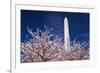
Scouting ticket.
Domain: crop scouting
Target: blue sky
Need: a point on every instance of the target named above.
(78, 23)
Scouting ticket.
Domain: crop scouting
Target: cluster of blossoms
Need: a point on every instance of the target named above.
(44, 47)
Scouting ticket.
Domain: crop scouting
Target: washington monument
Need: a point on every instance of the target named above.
(66, 35)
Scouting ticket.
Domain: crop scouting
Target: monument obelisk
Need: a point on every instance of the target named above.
(66, 35)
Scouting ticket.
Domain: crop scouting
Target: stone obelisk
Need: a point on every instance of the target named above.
(66, 35)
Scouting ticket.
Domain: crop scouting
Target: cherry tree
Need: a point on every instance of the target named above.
(43, 47)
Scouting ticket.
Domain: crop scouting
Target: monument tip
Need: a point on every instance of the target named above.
(66, 19)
